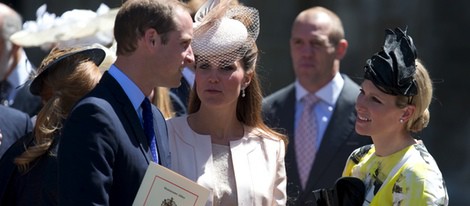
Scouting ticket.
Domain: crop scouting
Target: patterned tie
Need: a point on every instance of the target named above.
(305, 139)
(147, 117)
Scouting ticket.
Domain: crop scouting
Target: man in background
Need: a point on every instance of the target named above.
(321, 133)
(13, 125)
(15, 69)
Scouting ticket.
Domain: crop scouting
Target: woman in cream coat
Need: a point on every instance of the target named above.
(223, 144)
(257, 164)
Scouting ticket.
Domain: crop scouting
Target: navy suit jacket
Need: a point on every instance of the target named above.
(26, 102)
(339, 140)
(103, 152)
(13, 125)
(38, 186)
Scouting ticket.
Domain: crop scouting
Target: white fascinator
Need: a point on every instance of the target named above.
(223, 32)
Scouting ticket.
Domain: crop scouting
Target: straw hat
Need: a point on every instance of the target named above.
(94, 53)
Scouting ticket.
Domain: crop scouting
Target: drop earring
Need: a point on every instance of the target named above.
(243, 93)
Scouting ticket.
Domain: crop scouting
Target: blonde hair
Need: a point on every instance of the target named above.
(69, 79)
(161, 99)
(420, 118)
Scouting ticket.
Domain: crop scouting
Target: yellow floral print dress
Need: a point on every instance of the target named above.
(416, 180)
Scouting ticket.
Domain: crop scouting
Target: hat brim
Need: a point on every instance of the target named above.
(72, 30)
(95, 55)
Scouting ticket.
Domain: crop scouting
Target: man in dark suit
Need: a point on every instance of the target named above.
(13, 125)
(180, 95)
(317, 45)
(15, 68)
(104, 150)
(27, 102)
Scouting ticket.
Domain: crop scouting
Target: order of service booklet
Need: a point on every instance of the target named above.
(163, 187)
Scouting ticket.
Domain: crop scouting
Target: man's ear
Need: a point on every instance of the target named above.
(15, 55)
(15, 48)
(151, 37)
(341, 48)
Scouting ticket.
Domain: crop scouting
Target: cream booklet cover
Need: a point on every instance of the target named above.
(163, 187)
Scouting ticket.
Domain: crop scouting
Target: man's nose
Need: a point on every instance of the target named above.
(189, 58)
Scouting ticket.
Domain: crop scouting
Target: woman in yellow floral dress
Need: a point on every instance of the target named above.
(393, 106)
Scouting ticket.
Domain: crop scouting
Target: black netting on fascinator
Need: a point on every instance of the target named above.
(392, 69)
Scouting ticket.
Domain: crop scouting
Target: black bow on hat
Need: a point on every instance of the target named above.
(392, 69)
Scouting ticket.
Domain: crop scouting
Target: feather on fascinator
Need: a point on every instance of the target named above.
(223, 31)
(393, 68)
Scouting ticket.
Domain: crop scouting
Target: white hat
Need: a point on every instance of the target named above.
(224, 37)
(224, 32)
(74, 28)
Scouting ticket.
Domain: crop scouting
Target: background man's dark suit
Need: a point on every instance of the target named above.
(103, 143)
(179, 97)
(27, 102)
(339, 140)
(13, 125)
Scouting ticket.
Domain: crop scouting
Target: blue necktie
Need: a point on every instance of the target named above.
(147, 117)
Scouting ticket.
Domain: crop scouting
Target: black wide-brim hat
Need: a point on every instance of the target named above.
(94, 54)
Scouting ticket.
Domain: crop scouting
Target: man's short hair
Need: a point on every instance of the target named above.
(136, 16)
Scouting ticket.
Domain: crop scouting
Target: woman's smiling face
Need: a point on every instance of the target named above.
(377, 112)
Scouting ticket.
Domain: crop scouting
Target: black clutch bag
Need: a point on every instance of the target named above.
(348, 191)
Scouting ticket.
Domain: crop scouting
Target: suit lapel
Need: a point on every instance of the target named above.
(125, 110)
(137, 132)
(161, 135)
(336, 134)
